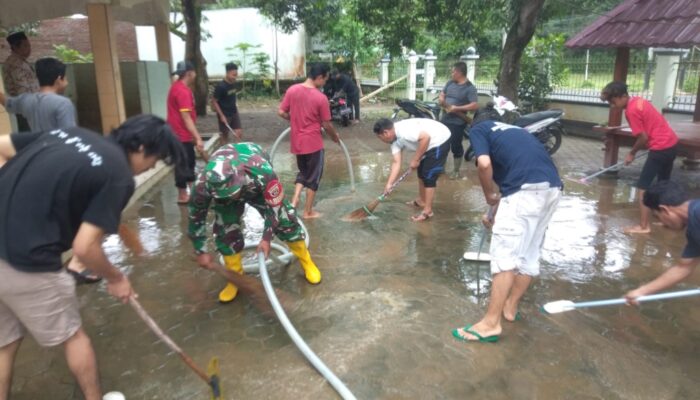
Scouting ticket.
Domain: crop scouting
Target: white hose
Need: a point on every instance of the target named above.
(337, 384)
(285, 132)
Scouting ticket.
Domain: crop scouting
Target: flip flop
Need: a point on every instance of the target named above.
(84, 277)
(518, 317)
(422, 217)
(482, 339)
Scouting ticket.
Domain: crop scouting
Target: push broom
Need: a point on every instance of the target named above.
(211, 377)
(560, 306)
(366, 211)
(614, 167)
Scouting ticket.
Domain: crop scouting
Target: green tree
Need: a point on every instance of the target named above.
(71, 56)
(191, 18)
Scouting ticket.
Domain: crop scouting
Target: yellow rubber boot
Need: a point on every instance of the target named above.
(313, 275)
(233, 263)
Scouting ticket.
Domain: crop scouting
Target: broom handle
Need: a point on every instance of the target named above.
(618, 165)
(395, 184)
(166, 339)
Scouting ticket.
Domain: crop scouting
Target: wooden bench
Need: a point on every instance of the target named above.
(688, 134)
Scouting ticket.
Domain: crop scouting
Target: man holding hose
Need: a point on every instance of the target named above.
(72, 206)
(236, 175)
(527, 194)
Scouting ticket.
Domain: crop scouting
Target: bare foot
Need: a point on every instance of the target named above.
(637, 229)
(312, 215)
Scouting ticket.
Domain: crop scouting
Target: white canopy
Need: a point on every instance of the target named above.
(138, 12)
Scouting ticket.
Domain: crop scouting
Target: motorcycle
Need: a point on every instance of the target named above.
(545, 125)
(340, 110)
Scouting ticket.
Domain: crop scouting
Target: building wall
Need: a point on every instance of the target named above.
(75, 34)
(228, 28)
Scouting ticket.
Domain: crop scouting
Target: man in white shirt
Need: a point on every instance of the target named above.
(431, 142)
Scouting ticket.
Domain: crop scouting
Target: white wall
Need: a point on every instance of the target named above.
(228, 28)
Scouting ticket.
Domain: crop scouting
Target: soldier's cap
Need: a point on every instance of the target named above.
(220, 179)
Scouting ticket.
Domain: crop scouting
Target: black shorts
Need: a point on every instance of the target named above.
(310, 169)
(234, 121)
(659, 165)
(433, 164)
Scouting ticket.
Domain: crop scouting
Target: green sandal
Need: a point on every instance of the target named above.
(482, 339)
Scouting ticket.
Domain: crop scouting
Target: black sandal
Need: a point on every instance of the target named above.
(84, 277)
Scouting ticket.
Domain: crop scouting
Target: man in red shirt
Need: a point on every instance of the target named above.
(182, 118)
(652, 131)
(308, 111)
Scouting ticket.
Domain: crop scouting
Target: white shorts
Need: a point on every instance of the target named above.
(519, 228)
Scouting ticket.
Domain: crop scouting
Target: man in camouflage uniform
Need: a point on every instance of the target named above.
(237, 174)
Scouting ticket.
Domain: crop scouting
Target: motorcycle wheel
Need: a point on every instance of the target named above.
(552, 138)
(345, 121)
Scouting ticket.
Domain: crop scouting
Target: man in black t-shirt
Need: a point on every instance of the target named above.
(345, 83)
(224, 103)
(64, 189)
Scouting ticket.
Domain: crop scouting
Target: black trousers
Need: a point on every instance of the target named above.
(182, 179)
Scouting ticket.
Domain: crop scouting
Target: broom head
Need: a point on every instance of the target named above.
(362, 212)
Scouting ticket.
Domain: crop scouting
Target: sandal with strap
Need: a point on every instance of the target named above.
(479, 338)
(422, 217)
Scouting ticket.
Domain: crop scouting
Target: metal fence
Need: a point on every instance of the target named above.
(581, 81)
(686, 87)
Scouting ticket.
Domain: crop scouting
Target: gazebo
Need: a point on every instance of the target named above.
(669, 24)
(101, 15)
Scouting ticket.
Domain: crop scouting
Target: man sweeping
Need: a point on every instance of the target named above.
(430, 140)
(671, 205)
(236, 175)
(64, 189)
(527, 194)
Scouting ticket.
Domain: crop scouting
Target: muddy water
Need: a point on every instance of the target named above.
(391, 293)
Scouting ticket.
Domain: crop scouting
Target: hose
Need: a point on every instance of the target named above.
(285, 132)
(337, 384)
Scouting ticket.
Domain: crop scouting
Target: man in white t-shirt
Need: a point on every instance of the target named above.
(431, 142)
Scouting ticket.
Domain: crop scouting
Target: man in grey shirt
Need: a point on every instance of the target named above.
(457, 98)
(46, 110)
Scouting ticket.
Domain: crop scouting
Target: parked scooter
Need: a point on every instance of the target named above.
(340, 111)
(545, 125)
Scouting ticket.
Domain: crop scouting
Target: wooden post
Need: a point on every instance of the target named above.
(107, 73)
(622, 61)
(163, 44)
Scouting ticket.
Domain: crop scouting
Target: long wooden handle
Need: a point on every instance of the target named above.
(166, 339)
(395, 184)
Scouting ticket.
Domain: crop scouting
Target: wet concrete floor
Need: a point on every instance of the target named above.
(392, 290)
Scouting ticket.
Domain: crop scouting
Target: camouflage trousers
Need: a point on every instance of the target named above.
(228, 235)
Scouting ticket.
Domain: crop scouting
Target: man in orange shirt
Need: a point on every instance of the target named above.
(652, 131)
(182, 118)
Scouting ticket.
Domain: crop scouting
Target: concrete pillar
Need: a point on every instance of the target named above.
(384, 78)
(470, 59)
(163, 44)
(107, 74)
(665, 76)
(429, 73)
(411, 88)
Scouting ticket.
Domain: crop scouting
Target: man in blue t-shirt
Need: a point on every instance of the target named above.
(527, 194)
(670, 204)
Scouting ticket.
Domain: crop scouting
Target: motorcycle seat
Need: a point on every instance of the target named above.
(528, 119)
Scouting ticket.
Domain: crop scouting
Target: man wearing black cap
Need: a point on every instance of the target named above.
(18, 73)
(182, 118)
